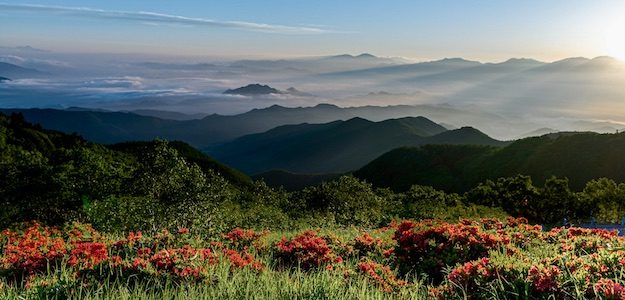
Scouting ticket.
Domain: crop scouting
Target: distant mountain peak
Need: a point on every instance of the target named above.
(357, 120)
(326, 105)
(362, 55)
(18, 72)
(569, 60)
(538, 132)
(262, 89)
(379, 93)
(295, 92)
(366, 55)
(522, 60)
(455, 59)
(253, 89)
(604, 58)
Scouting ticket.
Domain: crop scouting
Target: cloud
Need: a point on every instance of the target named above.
(31, 62)
(23, 48)
(129, 82)
(153, 17)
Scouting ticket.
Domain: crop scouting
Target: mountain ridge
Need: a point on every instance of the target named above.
(335, 147)
(579, 156)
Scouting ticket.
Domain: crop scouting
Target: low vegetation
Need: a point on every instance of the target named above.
(160, 220)
(483, 259)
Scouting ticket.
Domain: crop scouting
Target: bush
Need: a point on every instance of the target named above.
(349, 200)
(306, 250)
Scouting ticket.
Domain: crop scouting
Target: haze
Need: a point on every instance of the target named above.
(511, 68)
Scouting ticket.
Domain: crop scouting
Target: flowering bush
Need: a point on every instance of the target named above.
(32, 250)
(462, 275)
(473, 259)
(548, 268)
(544, 279)
(242, 260)
(609, 289)
(308, 250)
(242, 238)
(381, 275)
(87, 255)
(428, 247)
(365, 244)
(37, 249)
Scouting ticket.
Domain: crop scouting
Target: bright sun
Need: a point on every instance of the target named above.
(615, 41)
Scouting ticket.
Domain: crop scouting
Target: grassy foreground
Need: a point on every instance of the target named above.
(486, 259)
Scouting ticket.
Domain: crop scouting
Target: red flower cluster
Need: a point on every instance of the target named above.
(242, 260)
(32, 250)
(601, 233)
(512, 257)
(133, 237)
(381, 275)
(37, 248)
(544, 278)
(429, 246)
(87, 255)
(242, 238)
(307, 249)
(461, 275)
(608, 289)
(366, 244)
(182, 262)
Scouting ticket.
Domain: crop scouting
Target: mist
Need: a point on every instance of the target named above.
(505, 100)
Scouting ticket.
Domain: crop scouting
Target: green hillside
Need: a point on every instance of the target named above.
(114, 127)
(580, 157)
(51, 176)
(336, 147)
(192, 155)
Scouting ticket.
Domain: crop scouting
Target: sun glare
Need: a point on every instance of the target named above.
(615, 41)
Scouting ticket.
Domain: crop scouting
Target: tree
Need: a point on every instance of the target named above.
(556, 202)
(516, 195)
(606, 199)
(348, 200)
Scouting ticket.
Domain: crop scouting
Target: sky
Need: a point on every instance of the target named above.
(477, 29)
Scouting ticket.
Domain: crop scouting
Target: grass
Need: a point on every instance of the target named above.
(223, 283)
(484, 259)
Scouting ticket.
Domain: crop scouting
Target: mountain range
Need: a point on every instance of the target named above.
(452, 160)
(112, 127)
(315, 65)
(338, 146)
(16, 72)
(505, 99)
(578, 156)
(253, 89)
(256, 89)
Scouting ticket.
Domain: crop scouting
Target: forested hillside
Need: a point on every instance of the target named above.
(55, 178)
(339, 146)
(580, 157)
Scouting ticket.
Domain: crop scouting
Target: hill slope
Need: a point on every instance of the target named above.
(578, 156)
(253, 89)
(17, 72)
(114, 127)
(35, 138)
(336, 147)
